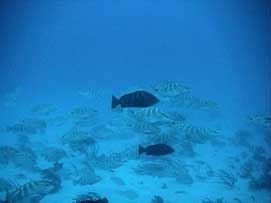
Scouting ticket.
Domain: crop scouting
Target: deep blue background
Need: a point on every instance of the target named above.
(221, 49)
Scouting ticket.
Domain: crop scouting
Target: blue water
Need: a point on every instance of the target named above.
(221, 50)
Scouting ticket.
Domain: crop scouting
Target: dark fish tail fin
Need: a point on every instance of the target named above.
(141, 149)
(115, 102)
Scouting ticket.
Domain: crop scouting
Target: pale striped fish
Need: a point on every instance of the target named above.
(43, 109)
(144, 127)
(27, 127)
(176, 116)
(196, 134)
(130, 153)
(25, 161)
(53, 154)
(39, 124)
(170, 138)
(113, 160)
(78, 140)
(21, 129)
(93, 94)
(25, 193)
(6, 154)
(86, 176)
(58, 120)
(83, 113)
(106, 162)
(169, 88)
(5, 185)
(33, 191)
(151, 114)
(188, 101)
(260, 120)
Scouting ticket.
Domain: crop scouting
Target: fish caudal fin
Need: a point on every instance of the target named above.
(115, 102)
(141, 149)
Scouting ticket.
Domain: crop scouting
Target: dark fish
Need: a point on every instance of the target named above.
(135, 99)
(91, 197)
(104, 200)
(156, 150)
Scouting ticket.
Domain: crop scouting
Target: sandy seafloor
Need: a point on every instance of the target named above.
(134, 187)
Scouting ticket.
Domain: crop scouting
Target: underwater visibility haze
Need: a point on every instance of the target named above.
(135, 101)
